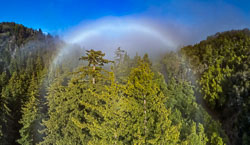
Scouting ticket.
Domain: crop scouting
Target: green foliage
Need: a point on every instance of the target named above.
(30, 118)
(64, 102)
(62, 106)
(24, 52)
(103, 115)
(216, 140)
(149, 116)
(186, 111)
(95, 61)
(121, 65)
(133, 113)
(173, 66)
(94, 58)
(222, 66)
(196, 136)
(4, 111)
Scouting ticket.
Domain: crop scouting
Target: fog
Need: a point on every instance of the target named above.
(130, 33)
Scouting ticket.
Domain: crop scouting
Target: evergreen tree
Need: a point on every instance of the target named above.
(119, 56)
(196, 136)
(31, 116)
(95, 61)
(4, 111)
(16, 94)
(122, 66)
(63, 103)
(105, 123)
(146, 59)
(82, 86)
(147, 117)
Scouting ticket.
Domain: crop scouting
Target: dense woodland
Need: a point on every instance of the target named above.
(197, 95)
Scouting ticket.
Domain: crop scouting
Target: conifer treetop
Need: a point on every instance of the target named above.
(95, 58)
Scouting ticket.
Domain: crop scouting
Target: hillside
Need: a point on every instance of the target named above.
(222, 64)
(25, 55)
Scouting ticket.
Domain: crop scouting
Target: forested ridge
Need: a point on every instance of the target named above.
(222, 65)
(194, 96)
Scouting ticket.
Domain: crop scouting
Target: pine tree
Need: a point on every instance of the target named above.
(95, 62)
(196, 136)
(146, 59)
(122, 66)
(63, 102)
(119, 54)
(31, 116)
(4, 111)
(16, 94)
(147, 116)
(104, 124)
(64, 99)
(86, 90)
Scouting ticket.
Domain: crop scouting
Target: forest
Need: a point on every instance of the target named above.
(197, 95)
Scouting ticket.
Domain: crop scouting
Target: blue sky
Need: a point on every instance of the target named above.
(57, 16)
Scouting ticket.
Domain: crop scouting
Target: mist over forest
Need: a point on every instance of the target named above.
(125, 73)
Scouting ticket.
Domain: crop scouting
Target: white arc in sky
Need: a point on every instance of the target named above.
(133, 35)
(119, 28)
(107, 34)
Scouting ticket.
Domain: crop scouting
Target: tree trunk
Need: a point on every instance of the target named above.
(93, 79)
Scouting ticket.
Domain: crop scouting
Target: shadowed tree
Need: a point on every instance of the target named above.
(31, 116)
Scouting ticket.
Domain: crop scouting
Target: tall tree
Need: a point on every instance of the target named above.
(4, 111)
(31, 116)
(95, 61)
(65, 96)
(105, 124)
(119, 55)
(63, 102)
(147, 116)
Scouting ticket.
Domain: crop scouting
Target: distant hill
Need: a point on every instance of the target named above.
(17, 34)
(16, 38)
